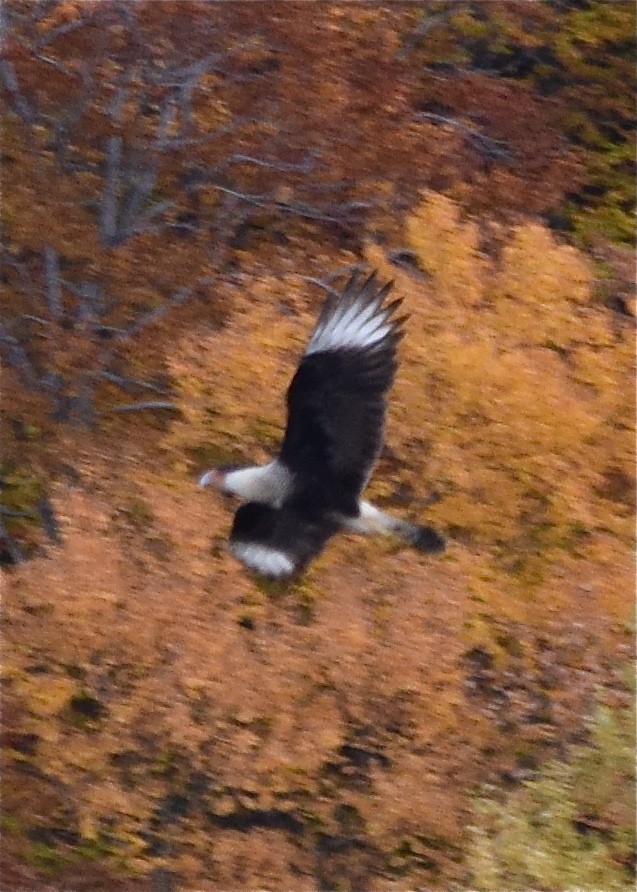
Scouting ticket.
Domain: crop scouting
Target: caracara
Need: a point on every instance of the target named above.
(337, 403)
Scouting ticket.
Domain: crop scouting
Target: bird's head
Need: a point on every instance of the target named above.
(266, 484)
(222, 478)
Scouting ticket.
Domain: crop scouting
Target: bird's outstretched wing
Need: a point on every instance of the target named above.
(337, 398)
(278, 542)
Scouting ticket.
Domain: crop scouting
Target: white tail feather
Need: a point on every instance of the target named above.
(372, 520)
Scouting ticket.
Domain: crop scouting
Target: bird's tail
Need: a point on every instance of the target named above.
(419, 536)
(372, 520)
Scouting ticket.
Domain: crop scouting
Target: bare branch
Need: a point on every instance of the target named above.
(330, 277)
(141, 184)
(416, 38)
(116, 106)
(66, 28)
(330, 187)
(9, 512)
(493, 148)
(153, 211)
(108, 205)
(184, 98)
(127, 11)
(306, 166)
(12, 548)
(229, 216)
(153, 405)
(10, 80)
(152, 316)
(82, 403)
(177, 142)
(177, 77)
(30, 318)
(132, 385)
(52, 282)
(50, 523)
(55, 63)
(17, 357)
(166, 120)
(53, 383)
(26, 281)
(337, 214)
(108, 331)
(89, 293)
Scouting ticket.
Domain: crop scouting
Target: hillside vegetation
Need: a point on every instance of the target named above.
(184, 180)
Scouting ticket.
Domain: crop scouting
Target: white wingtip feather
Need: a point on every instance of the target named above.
(358, 326)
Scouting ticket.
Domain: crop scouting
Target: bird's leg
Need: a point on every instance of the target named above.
(372, 520)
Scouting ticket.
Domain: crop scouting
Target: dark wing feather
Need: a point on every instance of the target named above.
(279, 542)
(337, 398)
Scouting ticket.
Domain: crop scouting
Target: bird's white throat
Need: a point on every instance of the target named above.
(268, 484)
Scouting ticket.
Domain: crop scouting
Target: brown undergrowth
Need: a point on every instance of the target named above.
(164, 711)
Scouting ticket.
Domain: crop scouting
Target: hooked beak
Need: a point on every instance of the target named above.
(212, 477)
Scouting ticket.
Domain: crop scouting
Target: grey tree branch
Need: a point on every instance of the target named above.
(131, 385)
(324, 281)
(179, 142)
(153, 405)
(338, 213)
(153, 316)
(20, 104)
(89, 293)
(55, 63)
(141, 184)
(115, 108)
(143, 223)
(108, 205)
(179, 76)
(9, 512)
(52, 287)
(26, 281)
(13, 549)
(416, 38)
(166, 121)
(306, 166)
(50, 523)
(66, 28)
(495, 148)
(18, 359)
(82, 403)
(31, 318)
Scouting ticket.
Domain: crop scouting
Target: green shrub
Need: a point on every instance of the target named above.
(572, 826)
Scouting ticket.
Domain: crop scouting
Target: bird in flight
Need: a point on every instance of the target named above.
(337, 403)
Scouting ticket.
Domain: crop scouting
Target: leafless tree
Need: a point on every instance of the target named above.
(124, 118)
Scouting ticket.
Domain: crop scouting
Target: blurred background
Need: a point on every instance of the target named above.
(181, 181)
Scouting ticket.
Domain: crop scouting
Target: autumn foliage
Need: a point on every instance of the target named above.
(182, 183)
